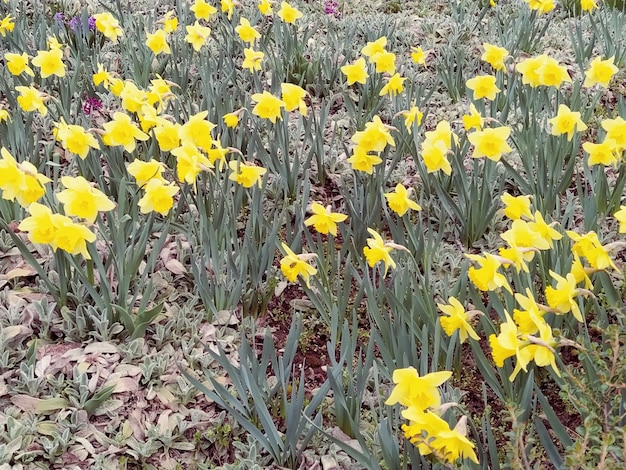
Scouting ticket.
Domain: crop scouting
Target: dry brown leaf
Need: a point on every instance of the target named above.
(38, 405)
(175, 267)
(101, 348)
(122, 384)
(15, 332)
(25, 271)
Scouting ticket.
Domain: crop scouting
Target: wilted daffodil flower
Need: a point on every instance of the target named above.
(293, 265)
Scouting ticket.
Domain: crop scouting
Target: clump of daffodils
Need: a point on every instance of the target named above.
(427, 429)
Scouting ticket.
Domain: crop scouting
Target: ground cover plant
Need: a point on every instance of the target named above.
(313, 234)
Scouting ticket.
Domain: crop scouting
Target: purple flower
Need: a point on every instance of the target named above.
(331, 8)
(74, 24)
(92, 23)
(91, 104)
(59, 17)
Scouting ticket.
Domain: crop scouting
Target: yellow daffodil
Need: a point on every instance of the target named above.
(516, 206)
(604, 153)
(190, 162)
(203, 10)
(473, 120)
(378, 250)
(292, 265)
(324, 220)
(567, 122)
(267, 106)
(413, 390)
(434, 155)
(490, 142)
(400, 200)
(600, 72)
(40, 224)
(75, 139)
(483, 86)
(6, 25)
(385, 62)
(31, 99)
(588, 5)
(529, 68)
(109, 26)
(412, 117)
(231, 119)
(551, 73)
(197, 35)
(375, 47)
(487, 277)
(289, 14)
(157, 42)
(167, 135)
(457, 319)
(563, 297)
(252, 59)
(170, 22)
(265, 7)
(50, 63)
(394, 86)
(356, 72)
(620, 216)
(362, 160)
(246, 32)
(144, 172)
(246, 174)
(81, 199)
(72, 237)
(494, 55)
(293, 96)
(198, 130)
(418, 56)
(121, 130)
(18, 64)
(375, 137)
(228, 7)
(158, 197)
(616, 132)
